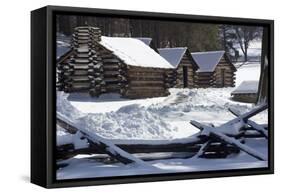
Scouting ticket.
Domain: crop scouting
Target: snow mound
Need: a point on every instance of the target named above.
(167, 118)
(129, 122)
(65, 108)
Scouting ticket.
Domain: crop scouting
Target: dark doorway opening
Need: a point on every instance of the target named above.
(222, 78)
(184, 71)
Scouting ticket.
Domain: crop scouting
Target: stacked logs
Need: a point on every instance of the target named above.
(204, 79)
(145, 82)
(114, 71)
(171, 78)
(83, 70)
(224, 76)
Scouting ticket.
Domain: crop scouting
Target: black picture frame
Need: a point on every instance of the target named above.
(43, 98)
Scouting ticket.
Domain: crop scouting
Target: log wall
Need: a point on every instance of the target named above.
(146, 82)
(224, 75)
(204, 79)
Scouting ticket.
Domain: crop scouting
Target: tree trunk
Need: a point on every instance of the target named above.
(246, 55)
(263, 81)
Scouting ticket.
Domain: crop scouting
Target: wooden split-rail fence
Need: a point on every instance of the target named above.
(210, 142)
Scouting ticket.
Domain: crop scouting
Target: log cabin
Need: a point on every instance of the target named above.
(99, 64)
(200, 69)
(185, 66)
(215, 69)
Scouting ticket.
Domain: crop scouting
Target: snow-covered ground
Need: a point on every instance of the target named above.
(164, 118)
(249, 71)
(84, 167)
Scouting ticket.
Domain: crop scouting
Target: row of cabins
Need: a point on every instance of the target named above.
(198, 69)
(135, 68)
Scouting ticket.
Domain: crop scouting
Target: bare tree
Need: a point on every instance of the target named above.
(241, 35)
(244, 35)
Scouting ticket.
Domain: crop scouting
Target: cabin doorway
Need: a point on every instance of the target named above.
(184, 72)
(222, 78)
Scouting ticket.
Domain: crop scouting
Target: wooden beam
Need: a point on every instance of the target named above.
(253, 124)
(239, 145)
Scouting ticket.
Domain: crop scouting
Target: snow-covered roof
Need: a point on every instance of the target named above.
(173, 55)
(134, 52)
(247, 87)
(207, 61)
(145, 40)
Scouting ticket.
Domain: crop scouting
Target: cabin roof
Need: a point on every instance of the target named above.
(207, 61)
(173, 55)
(247, 87)
(149, 42)
(134, 52)
(145, 40)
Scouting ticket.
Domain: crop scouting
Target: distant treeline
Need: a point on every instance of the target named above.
(196, 36)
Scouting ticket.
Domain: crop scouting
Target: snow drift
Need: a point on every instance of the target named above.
(157, 120)
(129, 122)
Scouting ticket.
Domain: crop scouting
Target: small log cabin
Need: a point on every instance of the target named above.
(99, 64)
(215, 69)
(246, 92)
(200, 69)
(184, 65)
